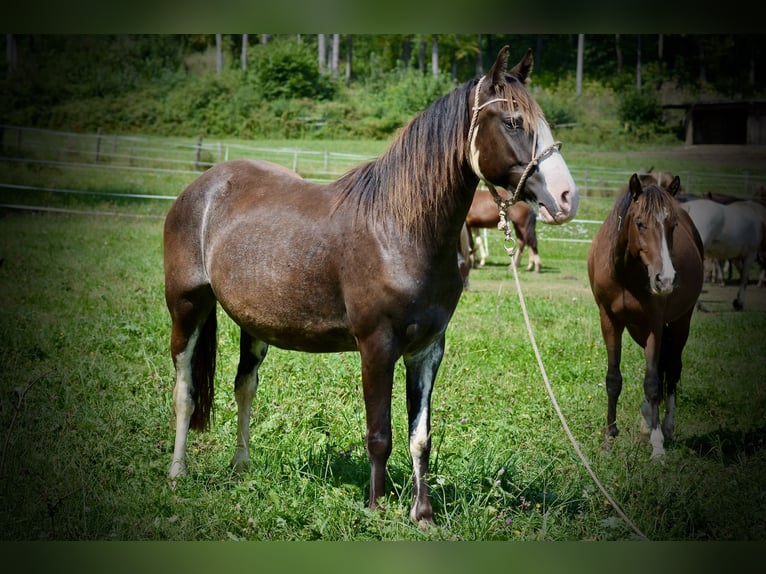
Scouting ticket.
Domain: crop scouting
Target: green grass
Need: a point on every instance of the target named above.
(86, 413)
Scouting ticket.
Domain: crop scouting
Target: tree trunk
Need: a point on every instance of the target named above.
(218, 53)
(660, 42)
(618, 52)
(435, 56)
(407, 51)
(422, 56)
(335, 62)
(479, 56)
(580, 50)
(11, 53)
(244, 52)
(638, 63)
(349, 52)
(322, 53)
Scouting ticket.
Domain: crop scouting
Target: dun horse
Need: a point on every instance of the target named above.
(273, 250)
(645, 271)
(484, 214)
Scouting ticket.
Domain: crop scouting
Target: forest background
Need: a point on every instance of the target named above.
(606, 90)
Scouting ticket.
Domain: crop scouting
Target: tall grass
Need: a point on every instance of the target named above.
(86, 383)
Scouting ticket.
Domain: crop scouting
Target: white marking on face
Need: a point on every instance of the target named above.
(662, 282)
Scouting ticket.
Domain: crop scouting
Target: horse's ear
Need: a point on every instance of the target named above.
(635, 186)
(523, 69)
(497, 72)
(675, 186)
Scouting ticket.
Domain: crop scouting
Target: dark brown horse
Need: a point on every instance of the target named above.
(645, 271)
(484, 214)
(274, 251)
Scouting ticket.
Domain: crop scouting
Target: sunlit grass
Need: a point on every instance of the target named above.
(86, 413)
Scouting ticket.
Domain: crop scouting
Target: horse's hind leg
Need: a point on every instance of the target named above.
(192, 346)
(251, 355)
(739, 302)
(421, 372)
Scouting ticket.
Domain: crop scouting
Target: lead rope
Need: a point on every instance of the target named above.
(503, 225)
(552, 396)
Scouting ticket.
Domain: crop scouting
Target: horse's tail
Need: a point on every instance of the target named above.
(530, 231)
(203, 373)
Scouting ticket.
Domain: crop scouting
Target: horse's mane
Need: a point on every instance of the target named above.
(410, 183)
(653, 200)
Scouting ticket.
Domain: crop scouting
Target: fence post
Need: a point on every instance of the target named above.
(295, 161)
(199, 153)
(98, 144)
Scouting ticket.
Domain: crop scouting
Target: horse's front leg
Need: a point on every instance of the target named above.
(650, 408)
(379, 356)
(421, 372)
(612, 333)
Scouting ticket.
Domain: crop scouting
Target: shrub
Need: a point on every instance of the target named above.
(288, 69)
(639, 109)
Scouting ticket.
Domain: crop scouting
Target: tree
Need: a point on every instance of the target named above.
(244, 52)
(618, 54)
(580, 50)
(638, 63)
(349, 53)
(435, 56)
(335, 61)
(322, 53)
(218, 53)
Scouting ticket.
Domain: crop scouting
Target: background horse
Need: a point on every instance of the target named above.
(645, 271)
(273, 250)
(484, 214)
(465, 254)
(729, 232)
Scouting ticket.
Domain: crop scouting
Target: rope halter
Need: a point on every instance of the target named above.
(504, 204)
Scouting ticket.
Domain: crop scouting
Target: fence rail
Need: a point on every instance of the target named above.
(185, 156)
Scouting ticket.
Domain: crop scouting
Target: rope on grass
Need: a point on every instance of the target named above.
(552, 396)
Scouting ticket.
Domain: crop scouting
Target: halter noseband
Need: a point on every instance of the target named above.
(504, 204)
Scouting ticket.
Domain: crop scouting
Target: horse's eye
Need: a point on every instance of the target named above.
(511, 123)
(640, 225)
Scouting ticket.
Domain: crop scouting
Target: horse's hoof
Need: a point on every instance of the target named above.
(426, 524)
(607, 444)
(239, 464)
(737, 305)
(177, 470)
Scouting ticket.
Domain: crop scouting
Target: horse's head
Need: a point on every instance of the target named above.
(649, 222)
(510, 143)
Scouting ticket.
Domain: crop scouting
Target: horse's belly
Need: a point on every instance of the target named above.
(300, 323)
(289, 304)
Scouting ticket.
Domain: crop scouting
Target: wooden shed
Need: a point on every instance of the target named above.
(734, 122)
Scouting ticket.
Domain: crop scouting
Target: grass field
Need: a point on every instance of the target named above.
(86, 413)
